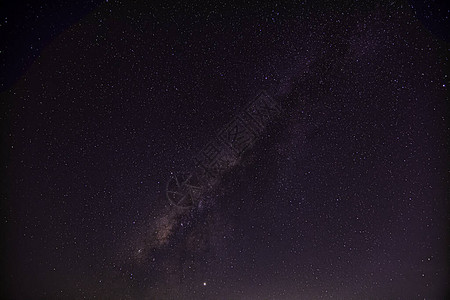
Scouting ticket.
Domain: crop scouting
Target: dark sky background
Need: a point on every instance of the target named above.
(345, 196)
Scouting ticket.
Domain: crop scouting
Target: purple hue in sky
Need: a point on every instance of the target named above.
(344, 197)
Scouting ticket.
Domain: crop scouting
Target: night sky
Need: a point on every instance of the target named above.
(343, 195)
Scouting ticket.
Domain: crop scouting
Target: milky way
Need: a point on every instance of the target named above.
(343, 194)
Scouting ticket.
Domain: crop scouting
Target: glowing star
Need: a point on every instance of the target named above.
(204, 283)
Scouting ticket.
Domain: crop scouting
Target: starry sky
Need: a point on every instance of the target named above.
(343, 196)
